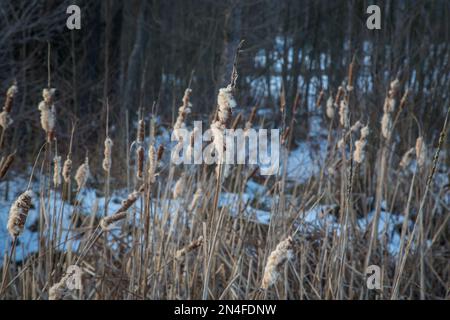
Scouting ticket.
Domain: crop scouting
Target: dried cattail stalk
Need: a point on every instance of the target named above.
(320, 98)
(252, 116)
(404, 100)
(5, 165)
(189, 248)
(107, 221)
(57, 171)
(330, 108)
(360, 145)
(282, 99)
(282, 253)
(18, 213)
(195, 200)
(140, 154)
(107, 154)
(344, 114)
(82, 174)
(179, 187)
(48, 113)
(421, 151)
(285, 136)
(67, 169)
(236, 121)
(407, 157)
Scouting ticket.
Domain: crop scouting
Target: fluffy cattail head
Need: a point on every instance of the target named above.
(183, 110)
(386, 125)
(330, 108)
(48, 95)
(5, 120)
(179, 187)
(360, 145)
(18, 213)
(421, 151)
(48, 113)
(226, 103)
(82, 174)
(67, 169)
(10, 94)
(344, 114)
(107, 154)
(57, 171)
(282, 253)
(152, 164)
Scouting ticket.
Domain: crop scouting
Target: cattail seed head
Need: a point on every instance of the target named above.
(67, 169)
(48, 113)
(57, 171)
(421, 151)
(183, 110)
(107, 221)
(330, 108)
(386, 125)
(82, 174)
(179, 187)
(226, 103)
(360, 145)
(140, 154)
(5, 120)
(189, 248)
(141, 132)
(107, 155)
(344, 114)
(10, 94)
(160, 153)
(339, 94)
(282, 253)
(18, 213)
(152, 160)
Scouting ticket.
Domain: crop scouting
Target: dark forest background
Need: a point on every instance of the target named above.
(137, 53)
